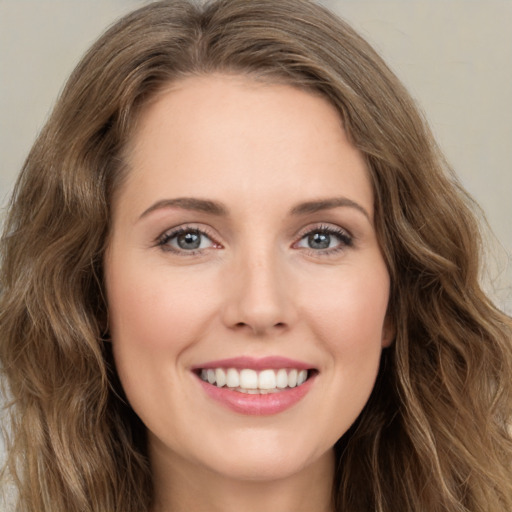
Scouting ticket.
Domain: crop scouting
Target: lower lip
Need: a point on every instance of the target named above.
(257, 405)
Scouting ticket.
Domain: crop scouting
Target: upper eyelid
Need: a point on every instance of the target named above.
(171, 232)
(324, 226)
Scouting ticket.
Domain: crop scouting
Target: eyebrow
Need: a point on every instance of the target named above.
(215, 208)
(188, 203)
(327, 204)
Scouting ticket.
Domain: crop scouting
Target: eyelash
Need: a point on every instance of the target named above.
(345, 239)
(163, 240)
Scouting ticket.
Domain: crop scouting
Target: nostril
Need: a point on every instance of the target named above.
(260, 329)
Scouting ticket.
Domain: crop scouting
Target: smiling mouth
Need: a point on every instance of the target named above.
(255, 382)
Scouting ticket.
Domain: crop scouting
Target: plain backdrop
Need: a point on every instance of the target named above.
(455, 56)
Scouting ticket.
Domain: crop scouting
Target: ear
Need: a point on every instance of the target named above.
(388, 332)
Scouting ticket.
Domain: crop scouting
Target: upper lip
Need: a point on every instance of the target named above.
(260, 363)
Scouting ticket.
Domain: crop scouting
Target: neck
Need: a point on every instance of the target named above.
(183, 486)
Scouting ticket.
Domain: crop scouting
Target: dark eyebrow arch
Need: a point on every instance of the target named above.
(188, 203)
(214, 208)
(326, 204)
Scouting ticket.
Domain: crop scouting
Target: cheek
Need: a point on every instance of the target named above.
(348, 322)
(156, 317)
(156, 309)
(349, 311)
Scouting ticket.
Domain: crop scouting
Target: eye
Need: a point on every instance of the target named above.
(186, 240)
(325, 239)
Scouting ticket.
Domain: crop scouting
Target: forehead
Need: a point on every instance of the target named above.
(221, 134)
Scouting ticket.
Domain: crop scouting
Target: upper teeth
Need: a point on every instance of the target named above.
(248, 379)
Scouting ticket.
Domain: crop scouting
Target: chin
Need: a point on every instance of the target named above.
(258, 462)
(261, 470)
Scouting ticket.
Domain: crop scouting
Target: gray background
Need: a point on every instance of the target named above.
(454, 56)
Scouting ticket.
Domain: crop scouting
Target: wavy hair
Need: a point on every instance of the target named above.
(434, 435)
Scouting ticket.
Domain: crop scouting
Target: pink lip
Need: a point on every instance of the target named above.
(263, 363)
(271, 403)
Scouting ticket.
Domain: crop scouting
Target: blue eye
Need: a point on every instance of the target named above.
(185, 240)
(325, 239)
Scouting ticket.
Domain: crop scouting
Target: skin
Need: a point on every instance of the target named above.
(256, 287)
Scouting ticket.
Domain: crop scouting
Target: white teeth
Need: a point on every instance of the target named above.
(232, 378)
(282, 378)
(251, 381)
(292, 378)
(267, 379)
(301, 377)
(220, 377)
(248, 379)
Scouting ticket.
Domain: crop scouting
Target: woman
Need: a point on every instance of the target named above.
(237, 273)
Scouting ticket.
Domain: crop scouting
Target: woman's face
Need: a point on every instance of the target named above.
(244, 250)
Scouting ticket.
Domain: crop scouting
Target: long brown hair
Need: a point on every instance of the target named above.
(434, 435)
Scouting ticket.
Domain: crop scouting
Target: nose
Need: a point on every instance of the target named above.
(259, 298)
